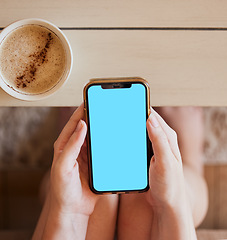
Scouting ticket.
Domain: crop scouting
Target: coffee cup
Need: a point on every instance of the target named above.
(35, 59)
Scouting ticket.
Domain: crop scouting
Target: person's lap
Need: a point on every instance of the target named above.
(134, 214)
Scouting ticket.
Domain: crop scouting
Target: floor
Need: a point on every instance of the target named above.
(19, 198)
(20, 205)
(216, 177)
(19, 193)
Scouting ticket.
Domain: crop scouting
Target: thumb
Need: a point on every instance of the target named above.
(158, 138)
(72, 149)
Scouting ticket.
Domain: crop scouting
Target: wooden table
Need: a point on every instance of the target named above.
(179, 46)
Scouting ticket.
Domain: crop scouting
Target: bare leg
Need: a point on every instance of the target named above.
(102, 222)
(135, 216)
(188, 122)
(189, 126)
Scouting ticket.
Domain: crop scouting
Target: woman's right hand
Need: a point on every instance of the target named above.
(166, 171)
(172, 216)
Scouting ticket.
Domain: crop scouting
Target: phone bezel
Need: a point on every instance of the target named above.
(101, 81)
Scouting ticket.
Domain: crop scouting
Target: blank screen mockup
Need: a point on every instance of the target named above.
(118, 137)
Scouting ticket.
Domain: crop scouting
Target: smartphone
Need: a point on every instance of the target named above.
(116, 112)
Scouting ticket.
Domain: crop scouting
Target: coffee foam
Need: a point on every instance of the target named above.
(32, 59)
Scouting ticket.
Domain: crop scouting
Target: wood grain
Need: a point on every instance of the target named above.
(223, 197)
(118, 13)
(182, 67)
(23, 208)
(211, 234)
(2, 210)
(216, 178)
(211, 218)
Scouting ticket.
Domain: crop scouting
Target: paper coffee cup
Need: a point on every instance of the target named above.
(28, 76)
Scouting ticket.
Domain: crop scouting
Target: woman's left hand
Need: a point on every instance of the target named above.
(69, 184)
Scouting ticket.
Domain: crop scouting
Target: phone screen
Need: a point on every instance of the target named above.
(118, 137)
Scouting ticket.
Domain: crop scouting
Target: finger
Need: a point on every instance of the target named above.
(170, 133)
(67, 131)
(160, 143)
(68, 158)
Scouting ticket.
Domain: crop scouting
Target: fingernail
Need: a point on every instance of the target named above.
(153, 120)
(79, 126)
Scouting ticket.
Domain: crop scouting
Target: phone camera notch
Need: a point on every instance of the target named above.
(116, 85)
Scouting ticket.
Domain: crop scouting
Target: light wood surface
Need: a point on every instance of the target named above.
(183, 66)
(118, 13)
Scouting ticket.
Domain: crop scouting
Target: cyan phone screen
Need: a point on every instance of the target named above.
(118, 137)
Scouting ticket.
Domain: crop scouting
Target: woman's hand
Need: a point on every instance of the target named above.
(70, 201)
(166, 171)
(172, 216)
(69, 189)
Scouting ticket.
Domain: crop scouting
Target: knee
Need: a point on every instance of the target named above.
(197, 193)
(201, 203)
